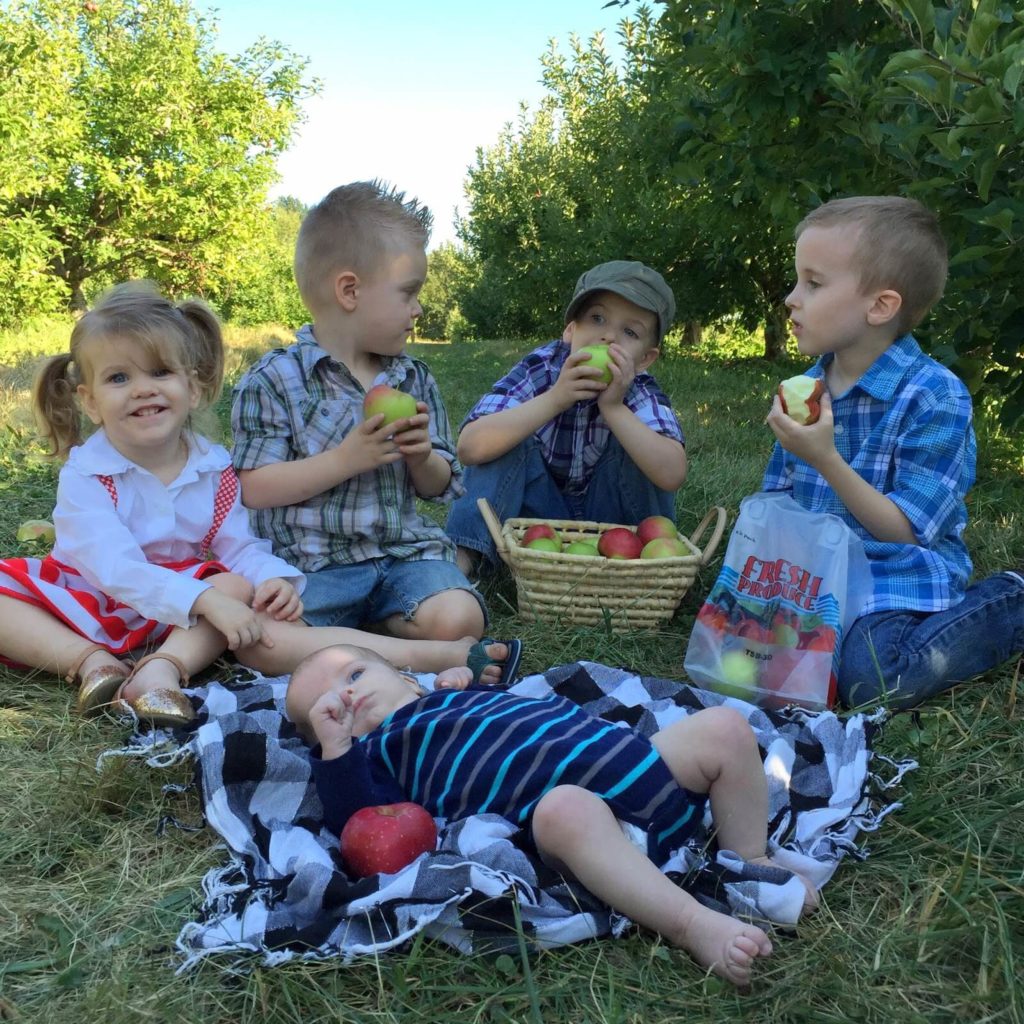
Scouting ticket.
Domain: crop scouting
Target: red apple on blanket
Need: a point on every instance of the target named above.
(664, 547)
(801, 398)
(618, 542)
(384, 839)
(531, 533)
(599, 357)
(656, 526)
(393, 404)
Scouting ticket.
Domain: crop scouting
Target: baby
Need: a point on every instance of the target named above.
(548, 765)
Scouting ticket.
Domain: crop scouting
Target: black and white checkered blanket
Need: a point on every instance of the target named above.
(284, 894)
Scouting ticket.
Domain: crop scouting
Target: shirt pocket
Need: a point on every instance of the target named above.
(324, 423)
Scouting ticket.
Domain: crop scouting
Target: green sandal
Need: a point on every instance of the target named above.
(479, 659)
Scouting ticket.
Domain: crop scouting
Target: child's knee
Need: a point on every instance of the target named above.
(450, 615)
(727, 730)
(233, 585)
(565, 816)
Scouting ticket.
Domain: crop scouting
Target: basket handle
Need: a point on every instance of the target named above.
(493, 527)
(716, 536)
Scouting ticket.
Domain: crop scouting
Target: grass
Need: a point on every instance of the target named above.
(929, 928)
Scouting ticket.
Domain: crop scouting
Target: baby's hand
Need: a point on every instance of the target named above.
(279, 599)
(413, 437)
(623, 371)
(453, 678)
(237, 621)
(369, 446)
(815, 442)
(579, 381)
(331, 721)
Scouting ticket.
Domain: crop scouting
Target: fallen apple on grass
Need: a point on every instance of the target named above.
(654, 527)
(391, 403)
(36, 529)
(601, 358)
(801, 398)
(620, 542)
(384, 839)
(664, 547)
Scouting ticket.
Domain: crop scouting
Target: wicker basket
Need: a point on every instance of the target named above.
(625, 593)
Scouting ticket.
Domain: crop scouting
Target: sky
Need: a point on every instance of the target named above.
(410, 88)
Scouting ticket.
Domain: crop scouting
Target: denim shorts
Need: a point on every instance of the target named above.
(368, 592)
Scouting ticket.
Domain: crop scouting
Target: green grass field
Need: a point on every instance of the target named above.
(929, 928)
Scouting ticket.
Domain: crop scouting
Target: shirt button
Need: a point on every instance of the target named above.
(838, 428)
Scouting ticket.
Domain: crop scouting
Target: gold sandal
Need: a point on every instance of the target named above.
(160, 709)
(97, 689)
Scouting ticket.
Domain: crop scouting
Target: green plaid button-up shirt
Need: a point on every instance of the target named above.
(300, 401)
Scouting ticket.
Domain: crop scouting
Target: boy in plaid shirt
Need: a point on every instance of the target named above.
(892, 454)
(553, 440)
(336, 493)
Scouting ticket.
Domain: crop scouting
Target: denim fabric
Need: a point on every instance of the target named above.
(902, 658)
(519, 484)
(372, 591)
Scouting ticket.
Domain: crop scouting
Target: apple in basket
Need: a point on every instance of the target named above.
(599, 357)
(531, 533)
(392, 403)
(656, 526)
(544, 544)
(582, 547)
(801, 398)
(384, 839)
(664, 547)
(619, 542)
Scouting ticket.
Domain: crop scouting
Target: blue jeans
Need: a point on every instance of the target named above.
(519, 483)
(372, 591)
(902, 658)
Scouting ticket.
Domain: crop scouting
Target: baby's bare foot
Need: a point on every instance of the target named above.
(724, 945)
(810, 893)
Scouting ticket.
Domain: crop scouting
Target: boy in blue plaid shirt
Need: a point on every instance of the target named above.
(336, 493)
(892, 454)
(553, 440)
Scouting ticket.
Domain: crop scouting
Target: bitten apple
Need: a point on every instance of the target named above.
(618, 542)
(36, 529)
(801, 398)
(656, 526)
(392, 403)
(531, 533)
(599, 357)
(384, 839)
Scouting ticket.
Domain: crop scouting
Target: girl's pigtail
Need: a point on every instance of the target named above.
(54, 400)
(209, 349)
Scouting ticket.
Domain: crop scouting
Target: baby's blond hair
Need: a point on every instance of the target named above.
(352, 228)
(899, 246)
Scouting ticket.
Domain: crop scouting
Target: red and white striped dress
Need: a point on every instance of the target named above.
(131, 552)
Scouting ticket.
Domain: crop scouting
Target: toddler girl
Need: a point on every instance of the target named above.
(153, 547)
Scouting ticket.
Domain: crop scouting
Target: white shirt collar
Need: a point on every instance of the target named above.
(98, 457)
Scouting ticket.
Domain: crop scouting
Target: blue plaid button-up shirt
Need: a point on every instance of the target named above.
(300, 401)
(573, 441)
(905, 427)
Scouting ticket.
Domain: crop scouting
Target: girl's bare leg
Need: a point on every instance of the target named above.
(32, 636)
(715, 751)
(577, 830)
(294, 641)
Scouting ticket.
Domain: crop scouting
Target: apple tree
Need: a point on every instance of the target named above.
(142, 149)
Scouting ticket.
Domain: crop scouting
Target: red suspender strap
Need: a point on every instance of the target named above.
(108, 482)
(227, 489)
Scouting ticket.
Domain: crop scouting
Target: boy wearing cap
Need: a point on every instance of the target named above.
(553, 440)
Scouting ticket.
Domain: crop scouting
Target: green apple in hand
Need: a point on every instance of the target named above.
(601, 358)
(392, 403)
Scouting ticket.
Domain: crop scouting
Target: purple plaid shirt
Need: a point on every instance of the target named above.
(905, 427)
(573, 441)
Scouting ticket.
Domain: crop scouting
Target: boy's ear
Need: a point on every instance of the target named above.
(886, 305)
(346, 290)
(567, 333)
(647, 358)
